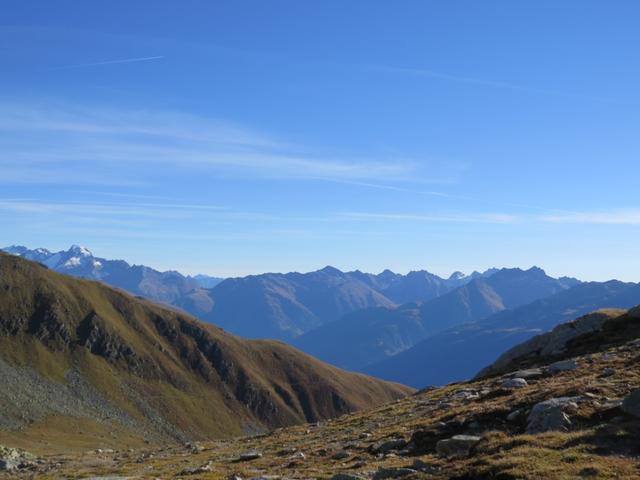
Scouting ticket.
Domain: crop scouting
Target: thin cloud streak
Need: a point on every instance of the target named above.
(602, 217)
(112, 62)
(456, 217)
(88, 138)
(419, 72)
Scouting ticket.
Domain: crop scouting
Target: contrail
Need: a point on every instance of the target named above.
(112, 62)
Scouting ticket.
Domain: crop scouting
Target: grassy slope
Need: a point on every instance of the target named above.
(601, 443)
(204, 381)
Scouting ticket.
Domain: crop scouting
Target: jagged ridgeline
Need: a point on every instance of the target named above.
(82, 360)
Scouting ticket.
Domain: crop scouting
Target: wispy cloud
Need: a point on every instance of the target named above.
(457, 217)
(54, 138)
(112, 62)
(425, 73)
(600, 217)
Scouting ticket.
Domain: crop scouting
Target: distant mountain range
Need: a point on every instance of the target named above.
(371, 335)
(166, 287)
(459, 352)
(271, 305)
(416, 329)
(80, 359)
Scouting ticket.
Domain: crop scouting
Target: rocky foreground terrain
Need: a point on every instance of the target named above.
(564, 406)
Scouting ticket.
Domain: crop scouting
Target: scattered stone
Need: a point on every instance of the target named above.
(631, 404)
(389, 445)
(250, 455)
(465, 395)
(551, 415)
(562, 366)
(207, 467)
(383, 473)
(458, 446)
(298, 456)
(514, 383)
(513, 416)
(104, 451)
(12, 459)
(424, 467)
(234, 477)
(528, 374)
(365, 435)
(341, 455)
(607, 372)
(346, 476)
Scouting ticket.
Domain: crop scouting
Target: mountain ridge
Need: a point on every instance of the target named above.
(78, 350)
(367, 336)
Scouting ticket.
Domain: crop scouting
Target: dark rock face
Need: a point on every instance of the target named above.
(631, 404)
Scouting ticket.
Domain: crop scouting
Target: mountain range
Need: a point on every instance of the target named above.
(270, 305)
(455, 354)
(165, 287)
(82, 360)
(382, 324)
(367, 336)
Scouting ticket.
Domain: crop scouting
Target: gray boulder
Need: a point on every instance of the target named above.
(250, 455)
(389, 445)
(528, 374)
(551, 415)
(562, 366)
(458, 446)
(514, 383)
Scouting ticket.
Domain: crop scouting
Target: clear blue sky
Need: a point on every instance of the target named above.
(235, 137)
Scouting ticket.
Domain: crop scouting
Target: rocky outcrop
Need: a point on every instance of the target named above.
(555, 344)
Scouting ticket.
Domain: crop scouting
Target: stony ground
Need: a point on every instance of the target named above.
(574, 419)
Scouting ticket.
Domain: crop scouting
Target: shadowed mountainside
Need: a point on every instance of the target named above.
(457, 353)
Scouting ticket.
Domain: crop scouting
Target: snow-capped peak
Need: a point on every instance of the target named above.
(80, 250)
(457, 276)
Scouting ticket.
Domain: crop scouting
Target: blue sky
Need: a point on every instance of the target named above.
(236, 137)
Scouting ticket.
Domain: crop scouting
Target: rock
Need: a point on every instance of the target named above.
(341, 455)
(207, 467)
(513, 416)
(424, 467)
(387, 446)
(9, 465)
(550, 415)
(298, 456)
(528, 374)
(465, 395)
(12, 459)
(383, 473)
(631, 404)
(562, 366)
(458, 446)
(250, 455)
(346, 476)
(514, 383)
(607, 372)
(234, 477)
